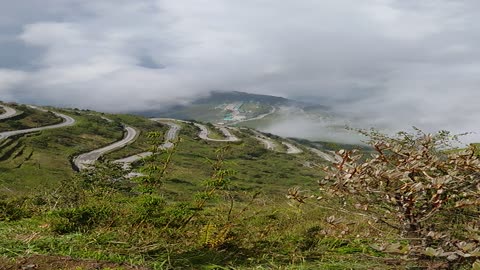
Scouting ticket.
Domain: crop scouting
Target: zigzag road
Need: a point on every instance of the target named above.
(67, 121)
(84, 161)
(267, 142)
(271, 145)
(292, 149)
(171, 135)
(9, 112)
(229, 137)
(323, 155)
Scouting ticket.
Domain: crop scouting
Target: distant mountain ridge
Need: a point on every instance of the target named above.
(237, 96)
(211, 107)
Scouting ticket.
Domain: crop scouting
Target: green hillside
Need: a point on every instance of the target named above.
(200, 205)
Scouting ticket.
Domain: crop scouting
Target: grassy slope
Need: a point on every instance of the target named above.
(30, 118)
(268, 231)
(45, 159)
(258, 169)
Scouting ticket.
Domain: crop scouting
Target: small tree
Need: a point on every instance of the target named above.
(412, 182)
(155, 167)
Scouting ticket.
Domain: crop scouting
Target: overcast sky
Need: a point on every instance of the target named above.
(396, 63)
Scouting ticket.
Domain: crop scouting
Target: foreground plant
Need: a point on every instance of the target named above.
(419, 185)
(156, 166)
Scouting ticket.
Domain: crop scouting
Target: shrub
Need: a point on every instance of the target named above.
(13, 209)
(414, 183)
(80, 219)
(150, 208)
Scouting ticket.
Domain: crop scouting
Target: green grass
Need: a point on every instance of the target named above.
(266, 235)
(106, 222)
(258, 168)
(45, 156)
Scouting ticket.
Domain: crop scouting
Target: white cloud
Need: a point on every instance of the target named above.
(388, 62)
(9, 80)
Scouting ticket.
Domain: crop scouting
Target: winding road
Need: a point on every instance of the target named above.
(84, 161)
(267, 142)
(170, 136)
(203, 134)
(292, 149)
(323, 155)
(229, 137)
(67, 121)
(9, 112)
(272, 145)
(274, 109)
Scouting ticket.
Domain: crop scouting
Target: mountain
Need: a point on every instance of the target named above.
(237, 108)
(216, 97)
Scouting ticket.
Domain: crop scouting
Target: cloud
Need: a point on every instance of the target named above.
(389, 63)
(10, 79)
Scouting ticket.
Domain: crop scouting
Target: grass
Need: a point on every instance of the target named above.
(267, 235)
(250, 224)
(43, 159)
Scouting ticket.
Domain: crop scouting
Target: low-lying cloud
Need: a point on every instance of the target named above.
(389, 63)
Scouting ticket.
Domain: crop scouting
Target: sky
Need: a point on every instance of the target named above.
(387, 63)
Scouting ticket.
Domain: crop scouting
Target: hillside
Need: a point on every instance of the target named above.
(228, 107)
(176, 195)
(271, 114)
(44, 158)
(37, 164)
